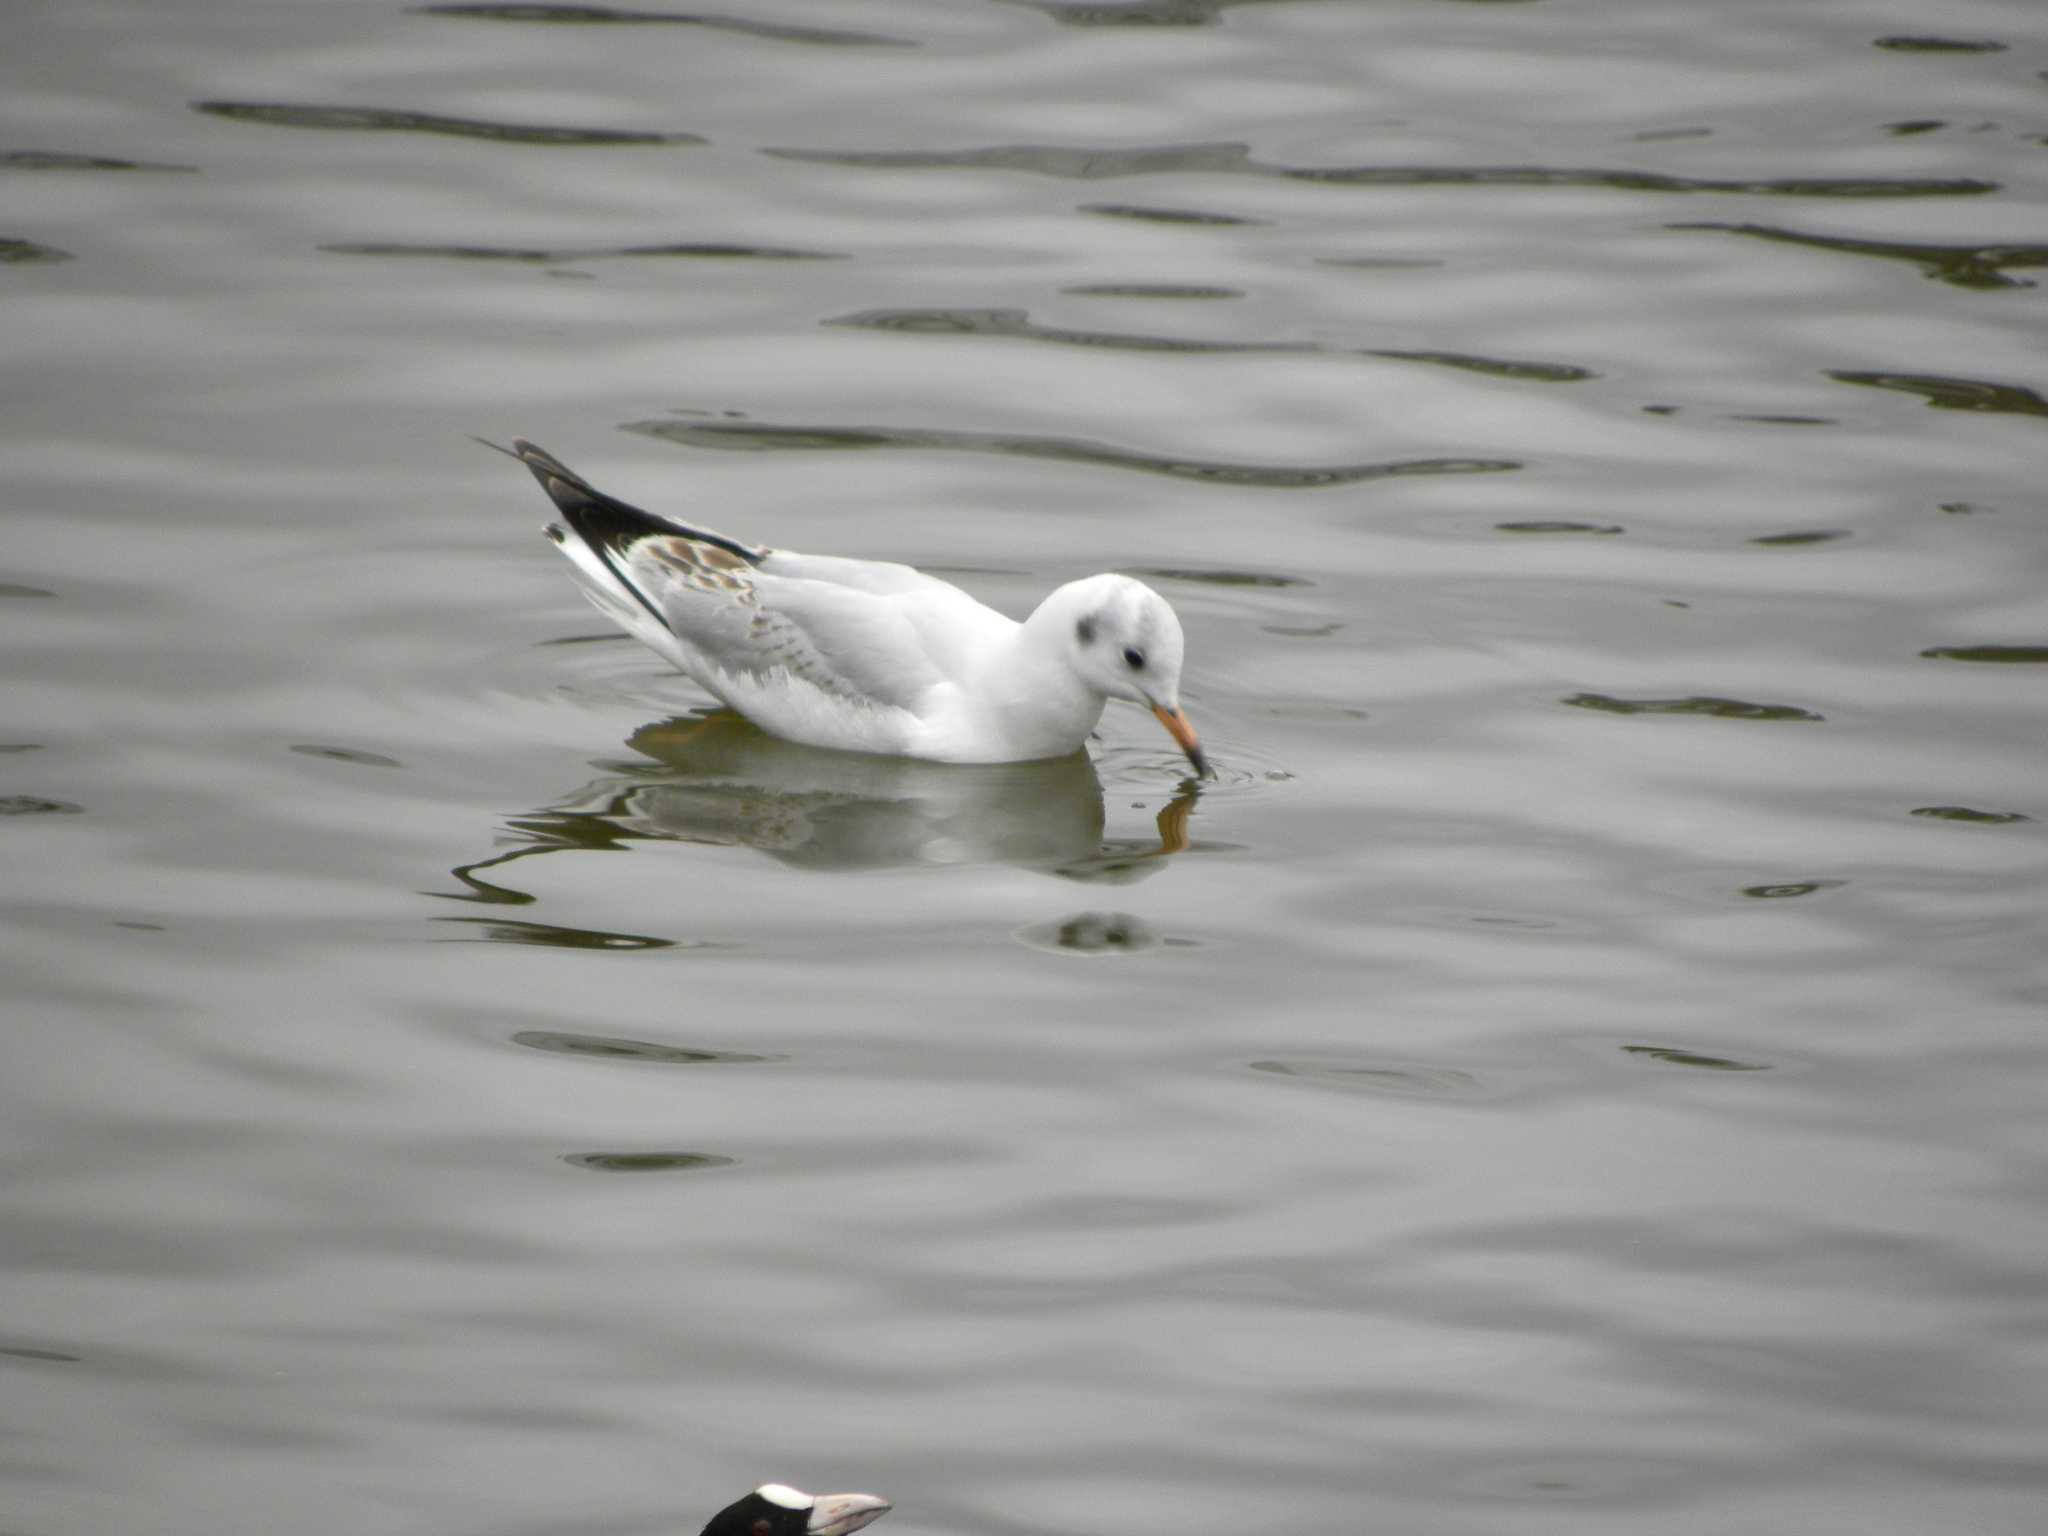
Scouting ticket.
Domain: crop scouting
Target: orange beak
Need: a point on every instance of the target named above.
(1178, 728)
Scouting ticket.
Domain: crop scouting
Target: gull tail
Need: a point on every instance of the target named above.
(599, 539)
(609, 526)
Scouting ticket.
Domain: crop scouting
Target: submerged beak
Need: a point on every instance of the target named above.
(835, 1514)
(1178, 728)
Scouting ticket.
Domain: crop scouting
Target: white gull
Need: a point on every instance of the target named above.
(868, 655)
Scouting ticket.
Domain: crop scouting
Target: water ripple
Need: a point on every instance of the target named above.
(500, 930)
(1018, 324)
(59, 160)
(347, 755)
(766, 437)
(610, 1048)
(1400, 1081)
(1944, 392)
(1698, 704)
(1074, 164)
(605, 15)
(1137, 13)
(1218, 578)
(384, 120)
(1523, 369)
(43, 1356)
(22, 251)
(1081, 163)
(646, 1162)
(36, 805)
(1961, 266)
(1146, 213)
(1094, 934)
(1965, 814)
(1940, 45)
(2009, 655)
(1789, 890)
(1151, 291)
(1551, 525)
(1674, 1057)
(1799, 538)
(553, 255)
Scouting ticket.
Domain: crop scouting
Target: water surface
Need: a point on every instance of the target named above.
(1574, 1069)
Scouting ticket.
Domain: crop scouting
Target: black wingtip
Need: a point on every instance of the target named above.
(603, 520)
(567, 489)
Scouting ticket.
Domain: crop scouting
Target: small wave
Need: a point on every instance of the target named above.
(37, 805)
(1084, 163)
(1698, 704)
(1789, 889)
(347, 755)
(1151, 291)
(1017, 324)
(605, 15)
(1400, 1080)
(1996, 655)
(1944, 392)
(16, 252)
(58, 160)
(646, 1162)
(1960, 266)
(761, 437)
(612, 1048)
(1094, 934)
(385, 120)
(549, 256)
(1672, 1056)
(499, 930)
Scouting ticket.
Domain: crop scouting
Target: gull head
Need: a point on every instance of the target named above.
(1124, 641)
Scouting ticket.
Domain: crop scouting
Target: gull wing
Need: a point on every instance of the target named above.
(744, 623)
(868, 632)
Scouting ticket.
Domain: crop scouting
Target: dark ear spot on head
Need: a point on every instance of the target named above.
(1085, 631)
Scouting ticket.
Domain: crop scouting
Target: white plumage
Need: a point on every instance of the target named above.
(868, 655)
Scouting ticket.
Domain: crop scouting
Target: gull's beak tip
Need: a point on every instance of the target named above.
(1176, 723)
(839, 1514)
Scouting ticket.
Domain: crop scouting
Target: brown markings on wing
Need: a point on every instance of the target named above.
(703, 567)
(777, 643)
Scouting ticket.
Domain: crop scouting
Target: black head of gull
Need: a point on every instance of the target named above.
(776, 1509)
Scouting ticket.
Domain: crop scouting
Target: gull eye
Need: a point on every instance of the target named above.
(1134, 658)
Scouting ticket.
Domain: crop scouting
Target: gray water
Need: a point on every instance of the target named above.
(1578, 1067)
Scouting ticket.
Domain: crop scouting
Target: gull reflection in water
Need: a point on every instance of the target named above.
(718, 779)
